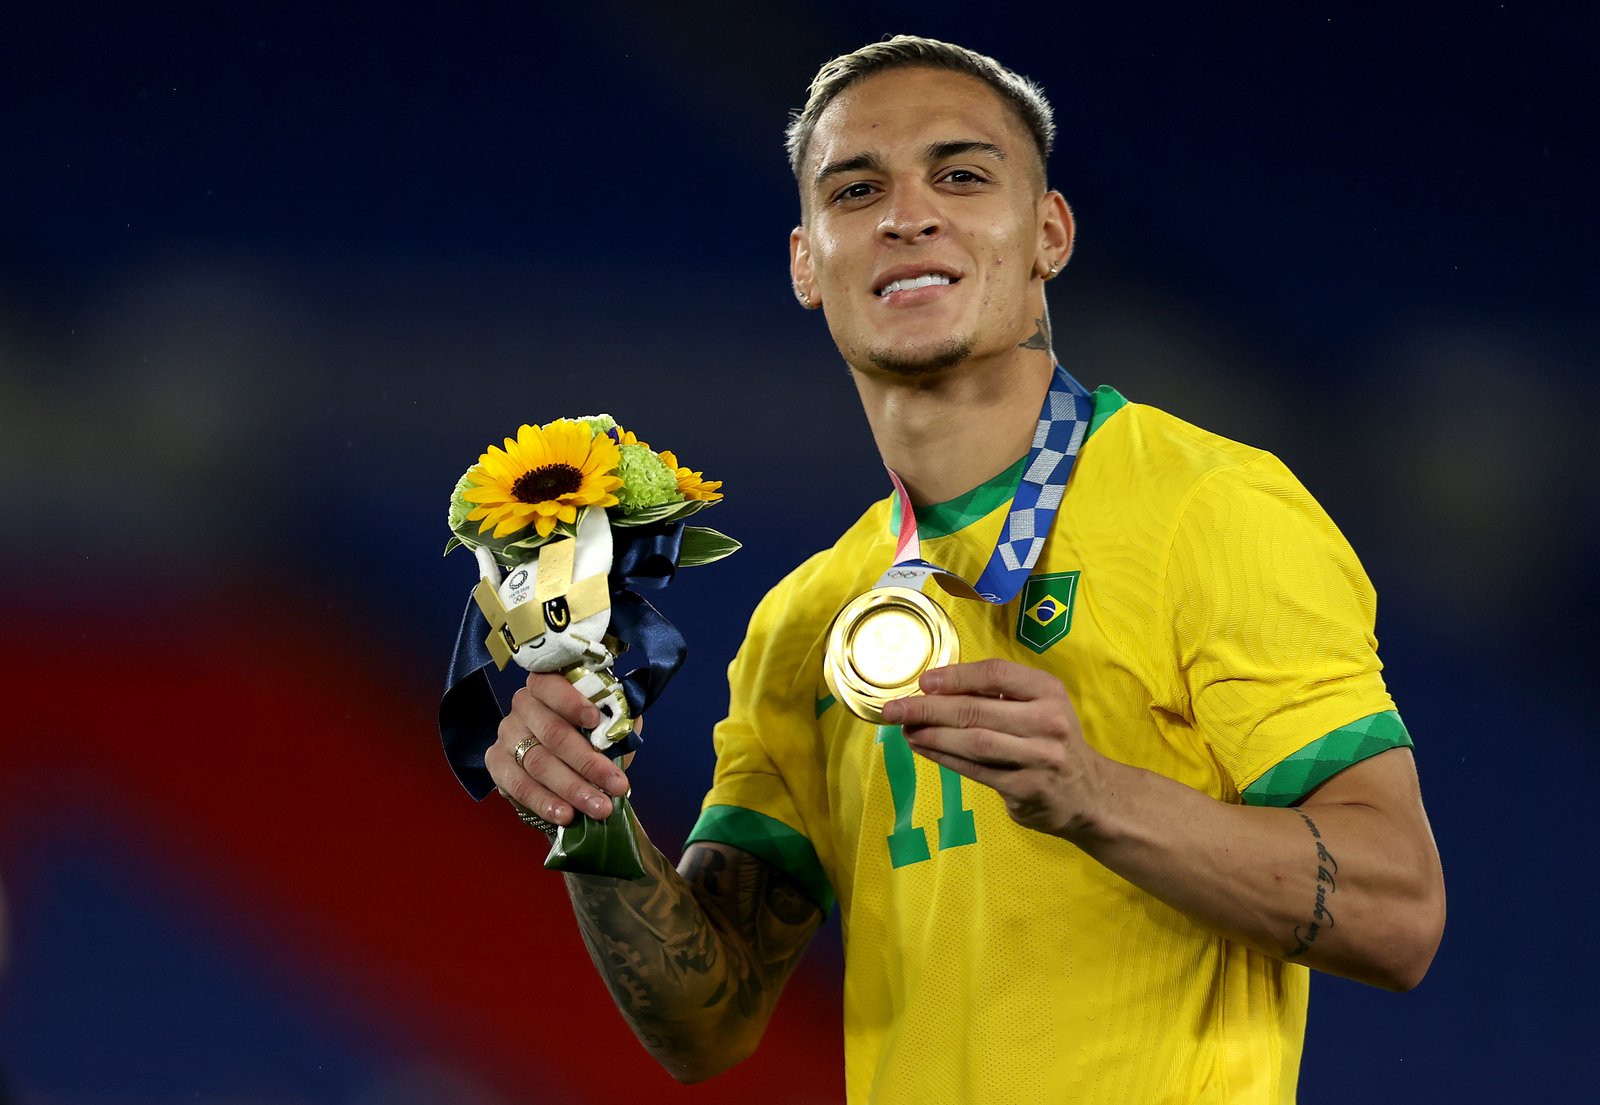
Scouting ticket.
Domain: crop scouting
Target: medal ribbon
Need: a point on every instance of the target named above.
(1063, 424)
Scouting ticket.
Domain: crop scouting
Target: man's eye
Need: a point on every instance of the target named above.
(963, 176)
(858, 191)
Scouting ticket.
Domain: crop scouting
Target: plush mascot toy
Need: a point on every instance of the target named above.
(552, 615)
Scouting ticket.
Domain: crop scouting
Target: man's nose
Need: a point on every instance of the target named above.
(911, 214)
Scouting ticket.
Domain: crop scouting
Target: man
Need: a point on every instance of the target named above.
(1093, 861)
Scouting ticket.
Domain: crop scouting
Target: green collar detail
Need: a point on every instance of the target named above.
(1107, 402)
(943, 519)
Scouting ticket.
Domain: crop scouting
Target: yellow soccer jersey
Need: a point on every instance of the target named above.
(1212, 625)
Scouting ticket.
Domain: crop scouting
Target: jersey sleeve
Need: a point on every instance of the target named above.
(1272, 619)
(760, 794)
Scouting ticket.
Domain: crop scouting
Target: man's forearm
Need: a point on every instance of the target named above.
(695, 966)
(1340, 886)
(660, 956)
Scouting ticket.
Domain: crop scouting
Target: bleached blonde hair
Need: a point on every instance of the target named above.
(910, 51)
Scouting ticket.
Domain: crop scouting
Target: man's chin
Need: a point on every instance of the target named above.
(921, 362)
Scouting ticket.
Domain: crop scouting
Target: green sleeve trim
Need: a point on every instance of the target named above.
(943, 519)
(1290, 780)
(771, 840)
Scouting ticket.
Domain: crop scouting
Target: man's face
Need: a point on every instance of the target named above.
(919, 173)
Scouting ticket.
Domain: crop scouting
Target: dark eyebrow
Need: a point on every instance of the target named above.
(939, 151)
(849, 165)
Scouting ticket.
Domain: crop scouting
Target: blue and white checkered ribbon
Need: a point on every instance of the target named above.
(1063, 424)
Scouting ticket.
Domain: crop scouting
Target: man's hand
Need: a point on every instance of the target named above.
(561, 772)
(694, 961)
(1259, 875)
(1013, 729)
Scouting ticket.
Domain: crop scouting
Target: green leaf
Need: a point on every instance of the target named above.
(511, 553)
(453, 544)
(703, 545)
(590, 847)
(526, 548)
(665, 512)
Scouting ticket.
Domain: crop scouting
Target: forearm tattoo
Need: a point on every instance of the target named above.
(1327, 885)
(698, 957)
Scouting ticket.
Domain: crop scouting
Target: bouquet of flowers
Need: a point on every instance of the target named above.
(568, 521)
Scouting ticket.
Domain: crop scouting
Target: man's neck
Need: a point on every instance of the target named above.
(947, 433)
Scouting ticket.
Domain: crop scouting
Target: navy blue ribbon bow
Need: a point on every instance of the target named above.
(643, 558)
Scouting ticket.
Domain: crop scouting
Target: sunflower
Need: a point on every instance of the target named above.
(543, 476)
(692, 485)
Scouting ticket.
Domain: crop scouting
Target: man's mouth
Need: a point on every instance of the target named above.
(913, 281)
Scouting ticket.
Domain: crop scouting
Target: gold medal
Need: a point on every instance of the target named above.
(880, 645)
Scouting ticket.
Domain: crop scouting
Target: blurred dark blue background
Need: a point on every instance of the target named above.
(272, 275)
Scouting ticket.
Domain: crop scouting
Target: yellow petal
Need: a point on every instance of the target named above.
(485, 495)
(499, 467)
(544, 526)
(602, 458)
(534, 448)
(588, 496)
(568, 441)
(510, 525)
(583, 443)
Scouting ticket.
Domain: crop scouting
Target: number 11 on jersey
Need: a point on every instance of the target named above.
(908, 843)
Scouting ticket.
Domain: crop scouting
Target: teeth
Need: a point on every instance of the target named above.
(924, 281)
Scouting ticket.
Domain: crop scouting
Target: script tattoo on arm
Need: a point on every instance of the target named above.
(696, 960)
(1327, 884)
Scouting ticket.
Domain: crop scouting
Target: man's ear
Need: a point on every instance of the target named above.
(800, 271)
(1056, 235)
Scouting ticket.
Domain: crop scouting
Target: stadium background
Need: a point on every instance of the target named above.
(271, 275)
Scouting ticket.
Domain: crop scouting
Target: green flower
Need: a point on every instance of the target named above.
(459, 507)
(646, 480)
(598, 423)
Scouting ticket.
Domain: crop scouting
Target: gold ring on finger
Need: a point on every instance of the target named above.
(523, 745)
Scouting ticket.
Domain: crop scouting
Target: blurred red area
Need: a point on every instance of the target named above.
(292, 788)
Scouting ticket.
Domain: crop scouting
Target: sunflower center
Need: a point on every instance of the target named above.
(550, 481)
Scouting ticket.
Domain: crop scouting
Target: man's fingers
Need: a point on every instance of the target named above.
(545, 779)
(562, 697)
(990, 775)
(560, 774)
(978, 746)
(953, 711)
(524, 789)
(993, 678)
(532, 715)
(1025, 784)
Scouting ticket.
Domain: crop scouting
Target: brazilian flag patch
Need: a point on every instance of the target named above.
(1045, 612)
